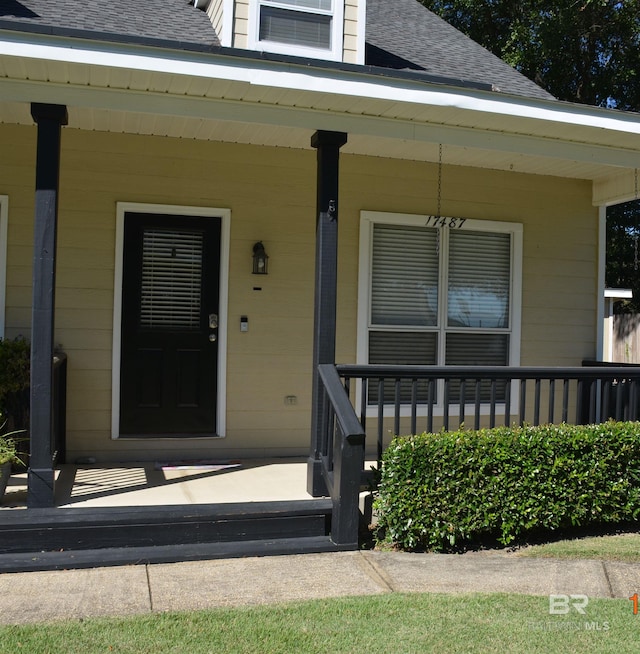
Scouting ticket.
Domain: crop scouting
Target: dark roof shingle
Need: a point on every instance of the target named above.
(170, 20)
(404, 34)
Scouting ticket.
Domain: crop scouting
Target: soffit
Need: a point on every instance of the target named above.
(481, 134)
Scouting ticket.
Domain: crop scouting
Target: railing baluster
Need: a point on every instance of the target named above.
(476, 423)
(396, 415)
(619, 398)
(364, 402)
(580, 393)
(552, 399)
(592, 400)
(523, 400)
(565, 400)
(507, 403)
(430, 402)
(536, 403)
(606, 399)
(463, 392)
(380, 445)
(414, 405)
(445, 417)
(492, 411)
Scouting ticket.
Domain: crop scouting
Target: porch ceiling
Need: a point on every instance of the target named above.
(265, 103)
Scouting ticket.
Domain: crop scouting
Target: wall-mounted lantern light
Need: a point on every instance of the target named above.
(260, 259)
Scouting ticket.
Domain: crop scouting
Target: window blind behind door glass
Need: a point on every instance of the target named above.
(479, 279)
(171, 279)
(404, 284)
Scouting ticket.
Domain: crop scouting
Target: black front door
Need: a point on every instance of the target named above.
(169, 349)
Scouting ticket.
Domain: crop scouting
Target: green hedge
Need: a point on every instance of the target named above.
(454, 490)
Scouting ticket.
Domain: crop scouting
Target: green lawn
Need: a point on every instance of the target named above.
(621, 547)
(394, 623)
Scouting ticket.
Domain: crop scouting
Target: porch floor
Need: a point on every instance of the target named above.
(149, 484)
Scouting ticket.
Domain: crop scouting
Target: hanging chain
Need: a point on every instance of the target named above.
(439, 212)
(635, 235)
(439, 207)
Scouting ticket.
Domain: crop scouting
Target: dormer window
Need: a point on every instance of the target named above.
(308, 28)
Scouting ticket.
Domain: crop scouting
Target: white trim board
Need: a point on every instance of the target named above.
(335, 53)
(225, 215)
(4, 222)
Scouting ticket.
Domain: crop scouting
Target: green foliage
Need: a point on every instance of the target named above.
(8, 450)
(454, 490)
(14, 382)
(623, 252)
(585, 52)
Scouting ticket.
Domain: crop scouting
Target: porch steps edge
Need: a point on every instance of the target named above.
(109, 557)
(179, 512)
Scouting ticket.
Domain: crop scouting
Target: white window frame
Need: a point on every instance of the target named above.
(123, 208)
(367, 221)
(4, 223)
(335, 53)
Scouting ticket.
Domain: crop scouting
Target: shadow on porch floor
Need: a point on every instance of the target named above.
(143, 484)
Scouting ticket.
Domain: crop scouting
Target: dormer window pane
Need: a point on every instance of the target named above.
(296, 27)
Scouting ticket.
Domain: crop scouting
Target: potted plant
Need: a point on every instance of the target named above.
(8, 456)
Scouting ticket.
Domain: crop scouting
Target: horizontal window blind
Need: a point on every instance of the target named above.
(404, 283)
(477, 350)
(479, 279)
(402, 348)
(322, 5)
(295, 27)
(171, 279)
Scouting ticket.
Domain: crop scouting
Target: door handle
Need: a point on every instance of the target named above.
(213, 321)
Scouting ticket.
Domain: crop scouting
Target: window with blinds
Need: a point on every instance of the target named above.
(171, 279)
(439, 296)
(305, 23)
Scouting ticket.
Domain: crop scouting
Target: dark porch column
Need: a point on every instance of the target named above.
(49, 119)
(328, 146)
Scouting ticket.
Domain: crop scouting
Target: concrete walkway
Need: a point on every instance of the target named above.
(145, 589)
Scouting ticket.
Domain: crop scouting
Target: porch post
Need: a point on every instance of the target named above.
(49, 119)
(328, 146)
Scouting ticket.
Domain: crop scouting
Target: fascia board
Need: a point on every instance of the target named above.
(323, 81)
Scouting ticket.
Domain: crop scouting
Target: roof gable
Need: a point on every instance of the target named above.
(400, 34)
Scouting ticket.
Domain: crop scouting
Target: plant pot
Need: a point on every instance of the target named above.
(5, 473)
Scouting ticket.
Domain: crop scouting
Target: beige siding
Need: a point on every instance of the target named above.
(271, 195)
(215, 13)
(241, 24)
(350, 43)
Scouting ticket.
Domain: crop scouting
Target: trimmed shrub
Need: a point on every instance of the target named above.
(454, 490)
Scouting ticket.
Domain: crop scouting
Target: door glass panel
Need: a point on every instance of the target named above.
(171, 279)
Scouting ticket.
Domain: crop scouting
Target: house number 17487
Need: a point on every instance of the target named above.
(439, 221)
